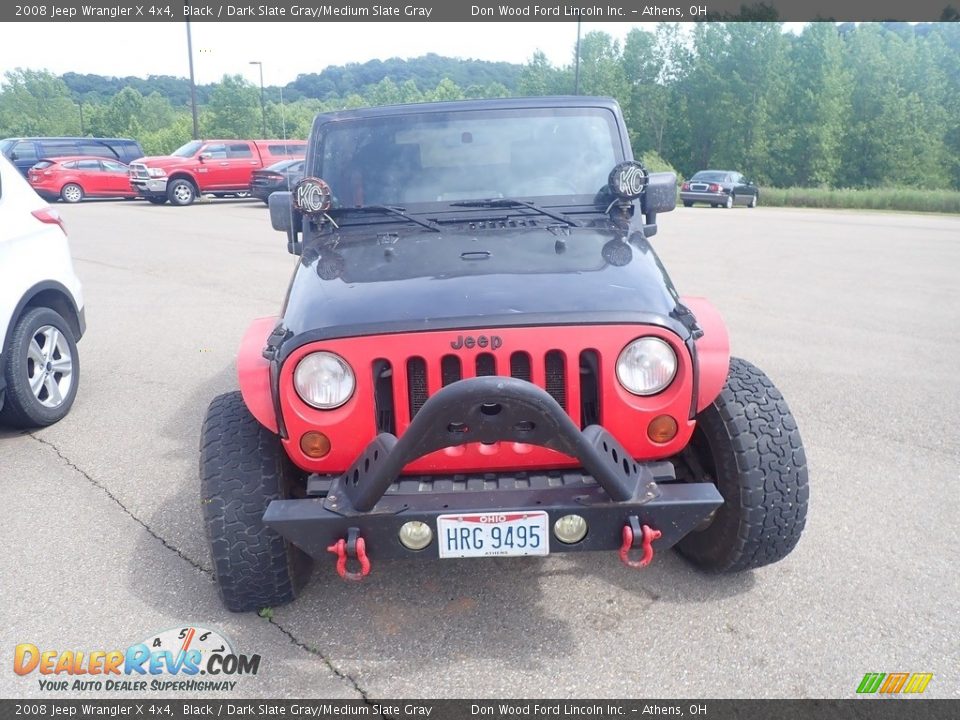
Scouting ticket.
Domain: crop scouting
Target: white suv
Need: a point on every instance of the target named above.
(41, 308)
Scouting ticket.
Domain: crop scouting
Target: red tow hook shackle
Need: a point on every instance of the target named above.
(629, 537)
(351, 546)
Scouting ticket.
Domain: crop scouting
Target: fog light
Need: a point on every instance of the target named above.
(662, 429)
(570, 529)
(315, 444)
(415, 535)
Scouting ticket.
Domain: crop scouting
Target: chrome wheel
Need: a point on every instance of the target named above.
(49, 366)
(183, 193)
(729, 203)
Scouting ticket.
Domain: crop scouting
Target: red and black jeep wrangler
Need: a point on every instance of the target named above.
(480, 354)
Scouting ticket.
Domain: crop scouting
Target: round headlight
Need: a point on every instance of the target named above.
(324, 380)
(646, 366)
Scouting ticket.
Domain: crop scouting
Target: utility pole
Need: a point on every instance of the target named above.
(193, 86)
(80, 105)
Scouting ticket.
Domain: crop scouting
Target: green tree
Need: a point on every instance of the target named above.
(446, 89)
(233, 110)
(36, 102)
(122, 116)
(602, 68)
(538, 76)
(653, 63)
(898, 124)
(819, 104)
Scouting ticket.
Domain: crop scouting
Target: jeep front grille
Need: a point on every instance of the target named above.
(552, 372)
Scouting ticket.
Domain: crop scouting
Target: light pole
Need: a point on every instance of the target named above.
(576, 81)
(263, 107)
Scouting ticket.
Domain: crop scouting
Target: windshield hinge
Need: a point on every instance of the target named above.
(274, 340)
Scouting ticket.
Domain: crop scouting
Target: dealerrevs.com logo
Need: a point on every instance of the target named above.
(180, 659)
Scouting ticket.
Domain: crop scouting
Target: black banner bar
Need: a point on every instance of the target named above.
(147, 709)
(319, 11)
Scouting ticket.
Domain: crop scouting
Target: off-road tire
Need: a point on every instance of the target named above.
(181, 192)
(156, 200)
(688, 203)
(748, 443)
(242, 469)
(21, 408)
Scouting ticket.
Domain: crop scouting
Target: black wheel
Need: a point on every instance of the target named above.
(157, 200)
(242, 468)
(71, 193)
(713, 205)
(688, 203)
(747, 443)
(731, 199)
(42, 370)
(181, 192)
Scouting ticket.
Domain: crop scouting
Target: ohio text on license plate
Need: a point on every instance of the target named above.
(493, 534)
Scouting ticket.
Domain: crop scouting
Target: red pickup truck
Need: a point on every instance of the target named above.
(220, 167)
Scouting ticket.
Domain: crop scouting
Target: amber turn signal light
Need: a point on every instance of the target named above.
(662, 428)
(315, 444)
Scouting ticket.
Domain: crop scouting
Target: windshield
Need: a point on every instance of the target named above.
(454, 156)
(188, 150)
(710, 176)
(5, 146)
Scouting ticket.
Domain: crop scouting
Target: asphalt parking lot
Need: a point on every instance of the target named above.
(855, 316)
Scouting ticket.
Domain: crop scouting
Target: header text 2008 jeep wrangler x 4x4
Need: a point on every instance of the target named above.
(480, 354)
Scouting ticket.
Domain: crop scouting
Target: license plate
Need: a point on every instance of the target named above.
(493, 534)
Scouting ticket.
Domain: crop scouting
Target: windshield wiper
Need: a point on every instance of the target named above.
(392, 210)
(510, 202)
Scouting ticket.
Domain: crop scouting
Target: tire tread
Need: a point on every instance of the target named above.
(762, 474)
(242, 469)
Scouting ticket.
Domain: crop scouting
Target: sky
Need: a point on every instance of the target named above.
(286, 49)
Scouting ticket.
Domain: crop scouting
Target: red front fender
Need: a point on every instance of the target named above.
(253, 372)
(713, 350)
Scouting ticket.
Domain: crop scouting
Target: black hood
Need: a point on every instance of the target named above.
(355, 283)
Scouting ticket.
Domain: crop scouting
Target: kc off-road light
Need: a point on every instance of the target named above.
(646, 366)
(570, 529)
(324, 380)
(415, 535)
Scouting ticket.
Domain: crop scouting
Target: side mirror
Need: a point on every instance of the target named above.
(661, 193)
(205, 156)
(660, 196)
(286, 219)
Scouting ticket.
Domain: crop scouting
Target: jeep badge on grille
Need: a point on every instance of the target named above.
(481, 341)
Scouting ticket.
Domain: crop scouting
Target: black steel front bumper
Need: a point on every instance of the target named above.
(374, 499)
